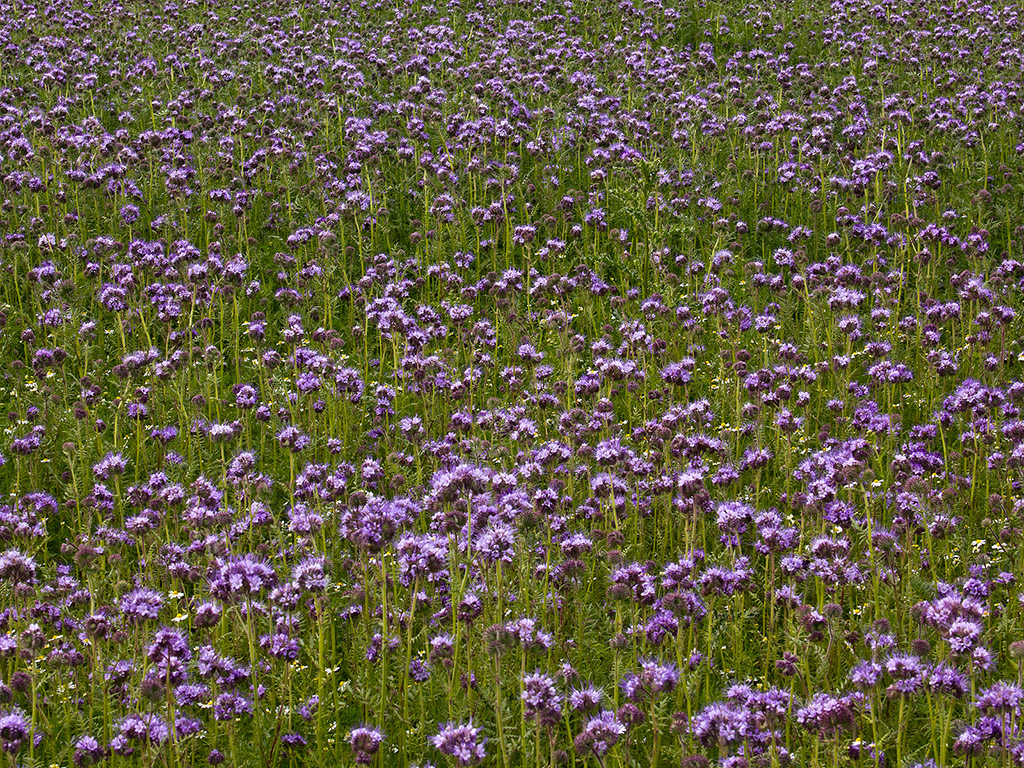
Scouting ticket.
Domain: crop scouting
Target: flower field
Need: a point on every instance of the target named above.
(513, 383)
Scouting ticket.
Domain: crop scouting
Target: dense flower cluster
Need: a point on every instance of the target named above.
(514, 383)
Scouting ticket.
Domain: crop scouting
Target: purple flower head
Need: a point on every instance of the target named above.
(148, 728)
(733, 516)
(446, 485)
(721, 724)
(497, 543)
(461, 741)
(169, 653)
(541, 698)
(293, 439)
(982, 659)
(585, 699)
(576, 544)
(441, 647)
(190, 694)
(974, 738)
(632, 687)
(293, 741)
(240, 576)
(129, 214)
(308, 382)
(311, 574)
(678, 373)
(365, 742)
(907, 673)
(599, 734)
(659, 678)
(948, 680)
(111, 464)
(526, 632)
(280, 646)
(421, 557)
(1001, 698)
(207, 615)
(246, 396)
(376, 522)
(14, 729)
(770, 706)
(963, 635)
(419, 671)
(229, 706)
(141, 604)
(164, 435)
(634, 581)
(865, 674)
(17, 567)
(826, 714)
(630, 715)
(188, 726)
(302, 519)
(654, 679)
(88, 751)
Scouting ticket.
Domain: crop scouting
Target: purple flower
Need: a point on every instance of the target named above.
(111, 464)
(293, 741)
(421, 557)
(585, 699)
(145, 729)
(188, 726)
(301, 519)
(311, 574)
(293, 439)
(460, 740)
(419, 671)
(1002, 698)
(907, 672)
(191, 694)
(659, 678)
(599, 734)
(236, 577)
(720, 724)
(207, 615)
(973, 738)
(733, 516)
(88, 751)
(526, 632)
(365, 743)
(497, 543)
(963, 635)
(441, 647)
(129, 214)
(678, 373)
(654, 679)
(308, 382)
(142, 603)
(376, 522)
(280, 646)
(826, 714)
(541, 698)
(866, 674)
(949, 680)
(228, 706)
(164, 435)
(246, 396)
(14, 729)
(17, 567)
(169, 652)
